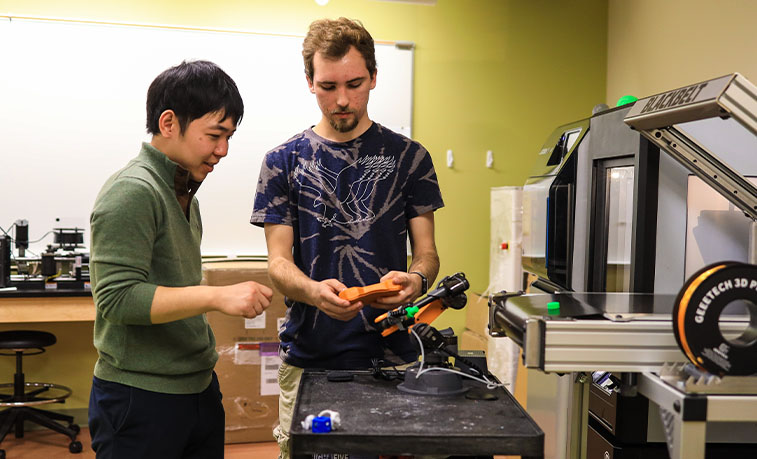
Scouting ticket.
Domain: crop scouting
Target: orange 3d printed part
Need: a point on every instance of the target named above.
(370, 293)
(425, 314)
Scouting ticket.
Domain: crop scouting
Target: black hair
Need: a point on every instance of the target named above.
(192, 90)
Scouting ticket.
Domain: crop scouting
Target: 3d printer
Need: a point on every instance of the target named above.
(64, 265)
(620, 210)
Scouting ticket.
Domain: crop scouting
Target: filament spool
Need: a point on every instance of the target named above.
(697, 312)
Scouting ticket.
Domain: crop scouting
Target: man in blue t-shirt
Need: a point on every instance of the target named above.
(338, 202)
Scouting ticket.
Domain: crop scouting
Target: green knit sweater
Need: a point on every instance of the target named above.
(141, 239)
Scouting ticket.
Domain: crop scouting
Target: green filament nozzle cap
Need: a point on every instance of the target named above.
(626, 100)
(552, 305)
(411, 311)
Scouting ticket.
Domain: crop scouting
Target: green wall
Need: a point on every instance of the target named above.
(489, 75)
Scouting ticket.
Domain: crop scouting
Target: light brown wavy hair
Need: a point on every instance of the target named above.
(333, 38)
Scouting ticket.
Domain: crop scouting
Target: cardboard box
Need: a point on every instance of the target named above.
(472, 341)
(248, 359)
(477, 314)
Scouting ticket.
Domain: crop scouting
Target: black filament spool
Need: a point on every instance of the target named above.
(68, 237)
(696, 318)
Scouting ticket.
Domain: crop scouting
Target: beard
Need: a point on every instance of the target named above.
(343, 125)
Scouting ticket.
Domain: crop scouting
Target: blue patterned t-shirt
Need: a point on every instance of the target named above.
(348, 204)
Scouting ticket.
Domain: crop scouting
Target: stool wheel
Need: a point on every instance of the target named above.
(74, 447)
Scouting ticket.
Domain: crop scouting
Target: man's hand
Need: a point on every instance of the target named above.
(411, 289)
(291, 281)
(247, 299)
(324, 295)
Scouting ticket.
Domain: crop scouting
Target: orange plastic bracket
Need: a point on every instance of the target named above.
(426, 314)
(370, 293)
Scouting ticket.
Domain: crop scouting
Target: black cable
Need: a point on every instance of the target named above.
(30, 242)
(379, 373)
(43, 236)
(9, 228)
(12, 239)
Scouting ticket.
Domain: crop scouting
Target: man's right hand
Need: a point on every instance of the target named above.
(325, 296)
(291, 281)
(247, 299)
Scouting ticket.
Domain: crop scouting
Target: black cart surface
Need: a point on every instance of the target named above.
(378, 418)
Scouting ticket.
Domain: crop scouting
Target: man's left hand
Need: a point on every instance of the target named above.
(411, 289)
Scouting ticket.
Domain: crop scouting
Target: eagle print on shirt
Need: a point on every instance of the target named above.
(337, 200)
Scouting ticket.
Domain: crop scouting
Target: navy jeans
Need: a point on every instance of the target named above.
(127, 423)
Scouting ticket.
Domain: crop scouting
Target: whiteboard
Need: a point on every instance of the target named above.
(72, 112)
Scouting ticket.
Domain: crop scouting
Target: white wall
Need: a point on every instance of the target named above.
(72, 98)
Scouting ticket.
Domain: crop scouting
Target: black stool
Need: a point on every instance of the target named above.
(21, 403)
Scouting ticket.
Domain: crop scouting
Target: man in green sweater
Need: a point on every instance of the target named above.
(154, 393)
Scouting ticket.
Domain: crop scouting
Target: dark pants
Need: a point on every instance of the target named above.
(127, 423)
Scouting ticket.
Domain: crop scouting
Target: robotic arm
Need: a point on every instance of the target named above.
(449, 293)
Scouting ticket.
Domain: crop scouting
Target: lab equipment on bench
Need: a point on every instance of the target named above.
(63, 266)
